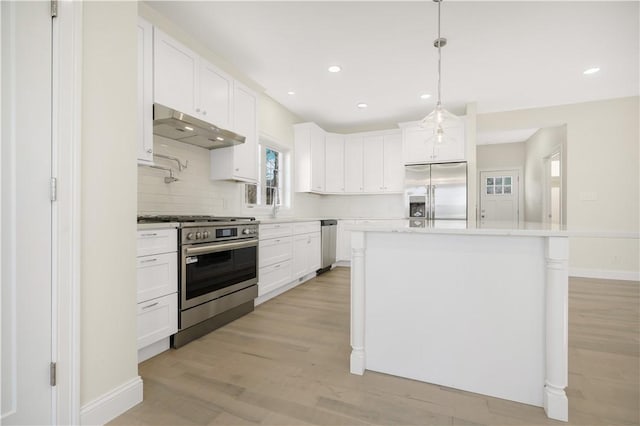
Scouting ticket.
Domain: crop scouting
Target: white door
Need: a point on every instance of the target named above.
(27, 397)
(552, 196)
(499, 195)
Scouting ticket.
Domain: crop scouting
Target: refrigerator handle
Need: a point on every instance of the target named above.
(433, 201)
(427, 210)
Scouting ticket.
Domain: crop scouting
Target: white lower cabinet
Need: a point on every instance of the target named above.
(287, 253)
(157, 290)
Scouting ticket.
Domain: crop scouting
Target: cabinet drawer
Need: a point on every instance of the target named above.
(274, 250)
(274, 230)
(306, 227)
(157, 319)
(274, 276)
(157, 275)
(156, 241)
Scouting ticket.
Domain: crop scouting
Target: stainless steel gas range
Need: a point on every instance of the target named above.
(218, 271)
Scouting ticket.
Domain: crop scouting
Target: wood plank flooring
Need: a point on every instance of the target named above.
(287, 363)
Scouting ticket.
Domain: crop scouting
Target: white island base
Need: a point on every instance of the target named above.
(477, 310)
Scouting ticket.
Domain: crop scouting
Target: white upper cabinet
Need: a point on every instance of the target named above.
(176, 71)
(419, 148)
(188, 83)
(309, 158)
(334, 163)
(373, 161)
(145, 92)
(353, 163)
(215, 96)
(382, 166)
(239, 162)
(393, 168)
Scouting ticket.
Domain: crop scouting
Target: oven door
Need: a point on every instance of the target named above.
(210, 271)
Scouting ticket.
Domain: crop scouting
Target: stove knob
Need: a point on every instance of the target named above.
(246, 231)
(190, 236)
(205, 234)
(198, 235)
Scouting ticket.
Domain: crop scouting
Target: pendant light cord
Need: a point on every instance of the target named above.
(439, 57)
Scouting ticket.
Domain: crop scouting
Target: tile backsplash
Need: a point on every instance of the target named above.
(194, 193)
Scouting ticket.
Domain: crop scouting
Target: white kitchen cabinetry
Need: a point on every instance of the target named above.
(288, 252)
(157, 287)
(145, 92)
(240, 162)
(382, 163)
(306, 248)
(353, 163)
(343, 245)
(186, 82)
(309, 158)
(418, 148)
(334, 163)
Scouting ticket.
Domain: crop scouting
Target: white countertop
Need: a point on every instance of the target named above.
(530, 229)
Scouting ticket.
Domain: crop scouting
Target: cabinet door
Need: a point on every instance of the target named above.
(145, 92)
(246, 155)
(274, 276)
(343, 246)
(334, 163)
(314, 252)
(373, 161)
(175, 71)
(317, 136)
(353, 164)
(415, 149)
(418, 146)
(393, 169)
(300, 255)
(157, 276)
(274, 250)
(215, 94)
(157, 319)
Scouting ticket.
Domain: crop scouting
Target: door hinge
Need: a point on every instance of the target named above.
(52, 374)
(54, 189)
(54, 8)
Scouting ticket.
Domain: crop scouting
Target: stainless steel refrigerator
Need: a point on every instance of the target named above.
(435, 192)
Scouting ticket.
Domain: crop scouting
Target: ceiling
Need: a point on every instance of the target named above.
(503, 55)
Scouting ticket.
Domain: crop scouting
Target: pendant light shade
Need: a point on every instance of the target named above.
(440, 121)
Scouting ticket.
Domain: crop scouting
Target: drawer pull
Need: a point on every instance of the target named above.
(149, 260)
(149, 235)
(277, 241)
(151, 305)
(277, 266)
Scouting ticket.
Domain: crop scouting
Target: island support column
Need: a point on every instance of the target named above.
(555, 401)
(357, 302)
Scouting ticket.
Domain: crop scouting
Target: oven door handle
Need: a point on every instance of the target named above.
(213, 248)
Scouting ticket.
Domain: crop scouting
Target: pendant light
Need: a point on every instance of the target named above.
(440, 121)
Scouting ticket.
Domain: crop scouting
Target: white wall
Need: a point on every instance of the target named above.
(501, 155)
(108, 293)
(538, 147)
(602, 160)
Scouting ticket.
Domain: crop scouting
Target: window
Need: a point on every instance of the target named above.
(272, 181)
(498, 185)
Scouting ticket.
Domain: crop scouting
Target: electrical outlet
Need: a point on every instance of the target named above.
(588, 196)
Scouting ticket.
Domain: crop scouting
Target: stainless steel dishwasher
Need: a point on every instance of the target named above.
(328, 230)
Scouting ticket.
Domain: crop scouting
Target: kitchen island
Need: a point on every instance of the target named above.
(478, 309)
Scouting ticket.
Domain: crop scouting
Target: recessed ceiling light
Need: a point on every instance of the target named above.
(334, 68)
(425, 96)
(291, 92)
(189, 128)
(362, 105)
(219, 138)
(589, 71)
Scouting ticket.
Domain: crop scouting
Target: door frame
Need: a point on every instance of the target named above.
(67, 219)
(520, 188)
(546, 184)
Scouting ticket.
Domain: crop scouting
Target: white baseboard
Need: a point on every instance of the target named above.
(346, 263)
(113, 403)
(606, 274)
(154, 349)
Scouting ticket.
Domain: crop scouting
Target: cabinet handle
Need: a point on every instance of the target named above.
(237, 170)
(204, 112)
(277, 241)
(197, 109)
(149, 260)
(149, 235)
(149, 150)
(277, 266)
(151, 305)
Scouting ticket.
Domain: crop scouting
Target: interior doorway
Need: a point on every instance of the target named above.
(500, 196)
(552, 196)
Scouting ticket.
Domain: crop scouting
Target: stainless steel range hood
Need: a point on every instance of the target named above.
(172, 124)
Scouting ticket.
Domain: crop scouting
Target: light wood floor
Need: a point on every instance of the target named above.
(287, 363)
